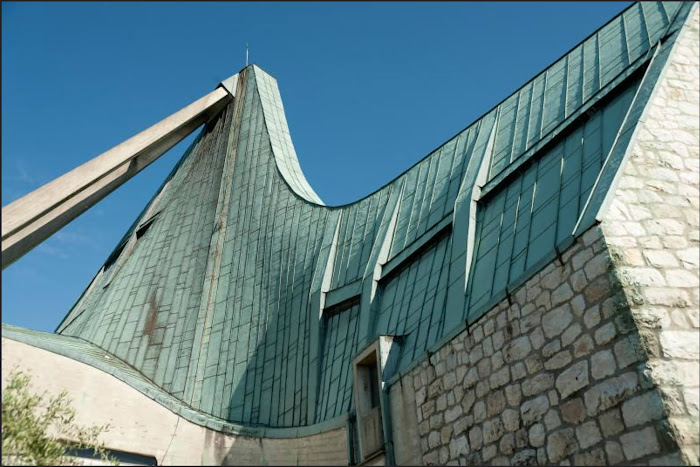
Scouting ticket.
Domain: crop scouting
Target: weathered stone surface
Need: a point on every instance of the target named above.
(482, 388)
(492, 430)
(640, 443)
(532, 410)
(434, 439)
(588, 434)
(517, 349)
(611, 422)
(435, 389)
(521, 438)
(468, 400)
(551, 419)
(536, 435)
(614, 452)
(580, 259)
(583, 346)
(628, 351)
(692, 398)
(555, 321)
(459, 447)
(610, 392)
(597, 289)
(480, 411)
(591, 317)
(674, 458)
(591, 457)
(596, 266)
(495, 403)
(518, 371)
(524, 457)
(681, 278)
(446, 433)
(476, 438)
(436, 421)
(533, 364)
(573, 411)
(602, 364)
(511, 419)
(660, 258)
(471, 378)
(507, 445)
(489, 452)
(578, 304)
(642, 409)
(431, 458)
(572, 379)
(453, 413)
(443, 455)
(646, 277)
(537, 384)
(680, 344)
(561, 444)
(513, 394)
(500, 378)
(537, 338)
(604, 334)
(666, 297)
(551, 348)
(558, 360)
(441, 403)
(571, 333)
(562, 294)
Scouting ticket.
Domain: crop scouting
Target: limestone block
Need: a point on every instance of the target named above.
(602, 364)
(561, 444)
(532, 410)
(573, 411)
(642, 409)
(572, 379)
(640, 443)
(554, 322)
(610, 392)
(588, 434)
(680, 344)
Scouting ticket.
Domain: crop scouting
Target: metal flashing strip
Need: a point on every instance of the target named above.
(541, 147)
(415, 249)
(342, 294)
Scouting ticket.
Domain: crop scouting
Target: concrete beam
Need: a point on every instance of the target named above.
(33, 218)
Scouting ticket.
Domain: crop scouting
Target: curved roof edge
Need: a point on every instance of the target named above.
(288, 163)
(87, 353)
(280, 139)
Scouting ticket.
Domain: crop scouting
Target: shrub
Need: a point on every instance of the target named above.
(41, 430)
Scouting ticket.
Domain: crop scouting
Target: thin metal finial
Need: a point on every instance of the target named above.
(246, 54)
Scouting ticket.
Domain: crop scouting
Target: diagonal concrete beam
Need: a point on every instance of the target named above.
(33, 218)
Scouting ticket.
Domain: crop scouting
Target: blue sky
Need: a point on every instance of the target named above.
(368, 88)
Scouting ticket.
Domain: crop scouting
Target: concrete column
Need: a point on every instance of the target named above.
(31, 219)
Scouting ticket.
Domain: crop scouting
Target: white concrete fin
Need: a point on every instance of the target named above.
(230, 84)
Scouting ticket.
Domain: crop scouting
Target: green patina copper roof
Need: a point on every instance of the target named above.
(238, 297)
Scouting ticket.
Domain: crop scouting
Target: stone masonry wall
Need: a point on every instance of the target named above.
(595, 361)
(551, 378)
(652, 232)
